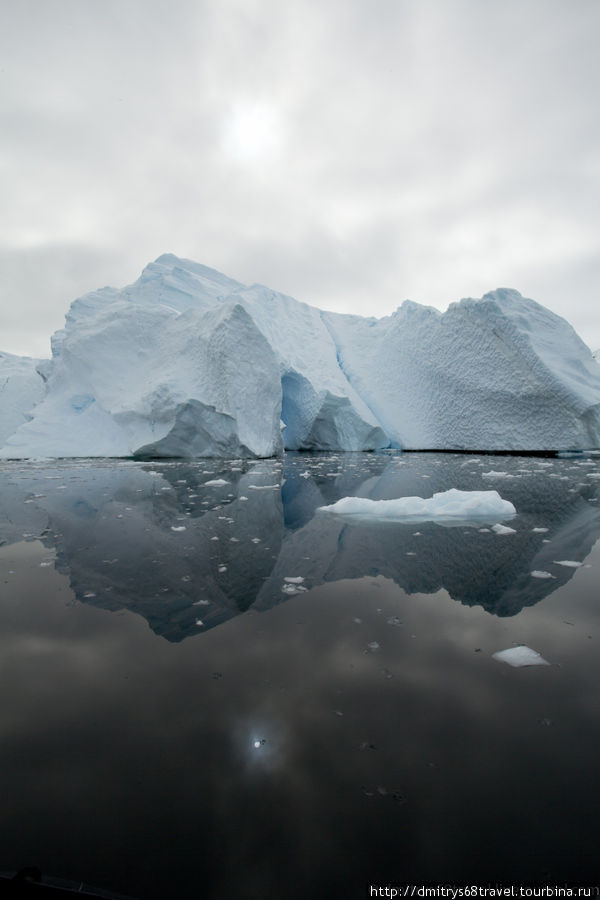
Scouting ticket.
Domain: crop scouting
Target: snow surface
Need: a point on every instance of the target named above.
(188, 362)
(451, 504)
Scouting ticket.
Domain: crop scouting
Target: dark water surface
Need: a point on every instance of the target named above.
(178, 720)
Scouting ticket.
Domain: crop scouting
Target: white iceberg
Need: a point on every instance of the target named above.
(21, 388)
(520, 656)
(187, 362)
(451, 504)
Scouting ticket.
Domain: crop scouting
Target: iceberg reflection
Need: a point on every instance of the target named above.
(188, 545)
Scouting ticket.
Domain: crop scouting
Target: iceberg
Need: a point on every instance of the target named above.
(520, 656)
(452, 504)
(21, 388)
(187, 362)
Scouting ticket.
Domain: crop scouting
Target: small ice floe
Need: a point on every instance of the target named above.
(372, 647)
(177, 527)
(493, 474)
(88, 595)
(394, 620)
(201, 603)
(214, 482)
(452, 504)
(293, 587)
(199, 623)
(569, 563)
(262, 487)
(503, 529)
(294, 579)
(538, 573)
(46, 563)
(540, 530)
(520, 656)
(222, 569)
(304, 475)
(256, 540)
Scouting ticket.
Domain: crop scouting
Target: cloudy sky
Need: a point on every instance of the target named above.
(351, 153)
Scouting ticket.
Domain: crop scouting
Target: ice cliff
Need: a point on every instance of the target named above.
(187, 362)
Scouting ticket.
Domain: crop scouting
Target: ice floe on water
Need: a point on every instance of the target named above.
(451, 504)
(520, 656)
(538, 573)
(569, 563)
(503, 529)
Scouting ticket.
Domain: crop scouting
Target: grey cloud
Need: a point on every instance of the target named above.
(425, 149)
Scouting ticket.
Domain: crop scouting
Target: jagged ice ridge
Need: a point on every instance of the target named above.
(187, 362)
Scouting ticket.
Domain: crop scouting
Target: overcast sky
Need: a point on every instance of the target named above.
(351, 153)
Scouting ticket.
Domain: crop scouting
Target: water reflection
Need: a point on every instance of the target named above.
(190, 545)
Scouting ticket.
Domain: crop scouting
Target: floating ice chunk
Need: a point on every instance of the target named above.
(177, 527)
(503, 529)
(293, 589)
(214, 482)
(493, 474)
(540, 530)
(262, 487)
(296, 579)
(394, 620)
(451, 504)
(538, 573)
(521, 656)
(570, 563)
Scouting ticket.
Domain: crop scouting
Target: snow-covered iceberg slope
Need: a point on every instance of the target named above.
(188, 362)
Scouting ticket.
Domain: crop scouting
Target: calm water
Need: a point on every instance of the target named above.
(178, 720)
